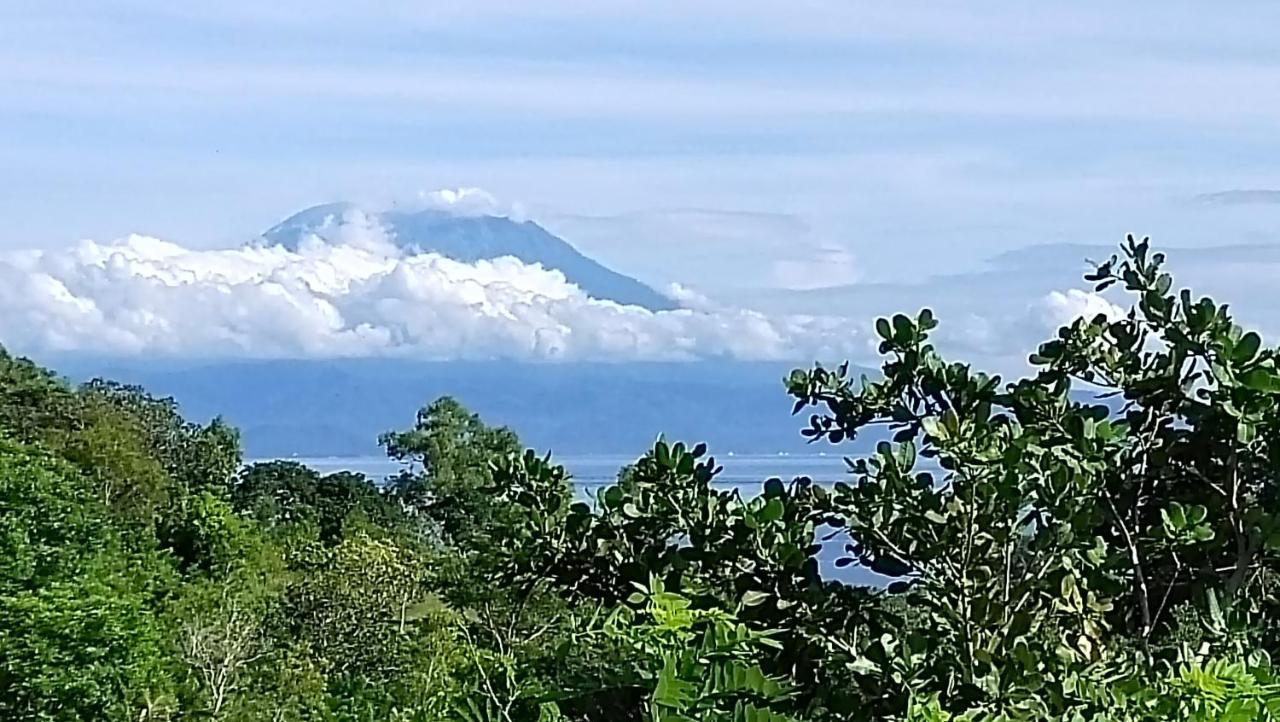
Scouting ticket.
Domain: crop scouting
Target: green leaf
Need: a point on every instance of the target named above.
(1260, 379)
(1215, 610)
(1196, 513)
(612, 496)
(1068, 586)
(685, 464)
(906, 455)
(662, 454)
(1202, 533)
(902, 328)
(772, 511)
(671, 691)
(883, 328)
(754, 598)
(1246, 348)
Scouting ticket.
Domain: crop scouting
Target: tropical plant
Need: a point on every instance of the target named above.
(702, 664)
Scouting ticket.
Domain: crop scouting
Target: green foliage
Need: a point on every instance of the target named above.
(356, 601)
(197, 457)
(698, 664)
(283, 494)
(449, 451)
(84, 649)
(76, 639)
(1222, 691)
(35, 405)
(1049, 538)
(527, 655)
(206, 535)
(665, 519)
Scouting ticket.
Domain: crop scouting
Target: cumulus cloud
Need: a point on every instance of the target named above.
(463, 202)
(353, 227)
(690, 297)
(1060, 308)
(1000, 336)
(142, 295)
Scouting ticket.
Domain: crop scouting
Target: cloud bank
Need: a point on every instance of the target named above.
(351, 292)
(359, 297)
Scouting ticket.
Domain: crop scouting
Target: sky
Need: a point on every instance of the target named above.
(802, 159)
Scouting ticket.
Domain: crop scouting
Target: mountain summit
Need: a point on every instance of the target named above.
(471, 238)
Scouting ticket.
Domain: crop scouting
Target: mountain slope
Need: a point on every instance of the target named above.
(338, 407)
(474, 238)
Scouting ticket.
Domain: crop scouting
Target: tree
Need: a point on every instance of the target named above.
(449, 451)
(35, 405)
(112, 448)
(78, 640)
(235, 580)
(197, 457)
(665, 520)
(363, 611)
(1049, 540)
(284, 493)
(357, 597)
(222, 643)
(1051, 544)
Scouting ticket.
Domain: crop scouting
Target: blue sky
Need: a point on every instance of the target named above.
(729, 145)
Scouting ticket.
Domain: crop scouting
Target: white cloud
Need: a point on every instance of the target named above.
(356, 228)
(354, 295)
(465, 201)
(999, 331)
(1060, 308)
(690, 297)
(142, 295)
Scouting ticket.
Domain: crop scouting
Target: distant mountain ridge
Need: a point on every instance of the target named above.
(338, 407)
(471, 238)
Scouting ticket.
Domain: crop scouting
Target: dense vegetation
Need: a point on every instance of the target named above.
(1099, 541)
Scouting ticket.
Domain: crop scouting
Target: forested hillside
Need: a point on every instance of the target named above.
(337, 407)
(1046, 557)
